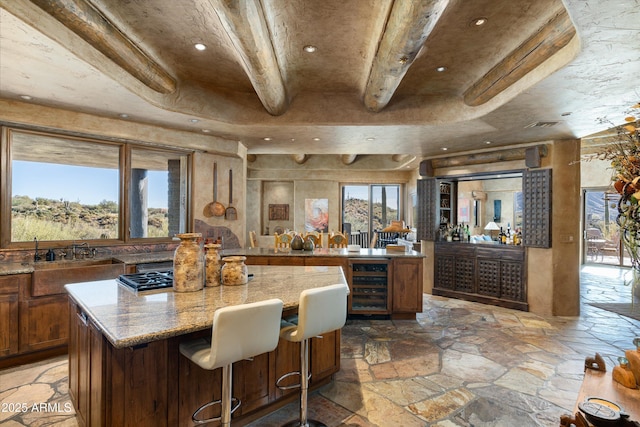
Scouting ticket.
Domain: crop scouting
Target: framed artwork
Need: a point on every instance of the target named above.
(316, 215)
(464, 214)
(279, 212)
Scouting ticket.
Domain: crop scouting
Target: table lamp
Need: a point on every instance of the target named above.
(491, 227)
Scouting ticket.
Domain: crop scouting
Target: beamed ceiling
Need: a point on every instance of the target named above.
(535, 70)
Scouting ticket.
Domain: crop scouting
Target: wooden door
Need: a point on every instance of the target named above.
(407, 285)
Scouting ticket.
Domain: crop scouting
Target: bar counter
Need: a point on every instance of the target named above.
(321, 252)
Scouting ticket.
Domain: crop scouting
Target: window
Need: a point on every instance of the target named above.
(61, 188)
(157, 204)
(370, 207)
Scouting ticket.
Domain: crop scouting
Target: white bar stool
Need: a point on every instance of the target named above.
(320, 310)
(238, 332)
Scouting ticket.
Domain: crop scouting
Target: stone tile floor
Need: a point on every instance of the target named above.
(457, 364)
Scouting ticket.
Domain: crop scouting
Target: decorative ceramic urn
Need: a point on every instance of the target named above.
(234, 271)
(188, 264)
(212, 264)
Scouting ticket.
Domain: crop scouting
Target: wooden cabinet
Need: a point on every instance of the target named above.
(86, 377)
(325, 356)
(9, 294)
(43, 323)
(154, 385)
(491, 274)
(378, 286)
(34, 311)
(407, 285)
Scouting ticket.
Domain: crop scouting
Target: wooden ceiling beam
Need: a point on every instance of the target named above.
(347, 159)
(245, 23)
(408, 26)
(552, 37)
(91, 25)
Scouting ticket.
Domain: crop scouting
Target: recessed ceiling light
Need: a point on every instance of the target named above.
(206, 130)
(194, 120)
(124, 116)
(441, 69)
(267, 138)
(293, 139)
(478, 22)
(487, 142)
(371, 139)
(26, 97)
(309, 48)
(200, 46)
(316, 139)
(444, 148)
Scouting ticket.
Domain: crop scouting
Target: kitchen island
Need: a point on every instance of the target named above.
(383, 282)
(125, 367)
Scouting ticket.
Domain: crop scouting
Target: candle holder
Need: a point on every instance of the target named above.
(623, 362)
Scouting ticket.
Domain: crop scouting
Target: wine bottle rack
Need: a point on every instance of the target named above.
(369, 287)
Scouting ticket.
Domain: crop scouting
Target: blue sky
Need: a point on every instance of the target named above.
(80, 184)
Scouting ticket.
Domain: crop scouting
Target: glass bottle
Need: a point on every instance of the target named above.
(188, 264)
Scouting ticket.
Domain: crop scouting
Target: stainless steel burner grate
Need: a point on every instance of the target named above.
(148, 281)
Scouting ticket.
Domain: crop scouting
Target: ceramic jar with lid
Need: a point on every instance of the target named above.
(188, 264)
(212, 264)
(234, 271)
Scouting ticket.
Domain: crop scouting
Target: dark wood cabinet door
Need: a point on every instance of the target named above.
(325, 355)
(251, 382)
(407, 285)
(9, 317)
(44, 322)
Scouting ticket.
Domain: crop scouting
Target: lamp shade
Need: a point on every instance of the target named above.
(492, 226)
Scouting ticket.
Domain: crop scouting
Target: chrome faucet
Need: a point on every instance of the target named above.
(74, 248)
(36, 255)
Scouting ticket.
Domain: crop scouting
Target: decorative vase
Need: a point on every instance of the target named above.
(308, 245)
(212, 264)
(188, 264)
(297, 243)
(234, 271)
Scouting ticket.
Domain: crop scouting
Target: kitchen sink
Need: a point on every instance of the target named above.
(49, 277)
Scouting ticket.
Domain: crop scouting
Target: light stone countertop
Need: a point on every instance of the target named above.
(144, 257)
(127, 319)
(322, 252)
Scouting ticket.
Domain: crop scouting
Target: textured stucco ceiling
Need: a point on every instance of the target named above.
(321, 97)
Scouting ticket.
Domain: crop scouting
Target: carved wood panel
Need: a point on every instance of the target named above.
(445, 272)
(489, 277)
(511, 286)
(426, 221)
(465, 274)
(536, 220)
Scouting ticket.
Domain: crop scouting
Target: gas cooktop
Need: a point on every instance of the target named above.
(148, 280)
